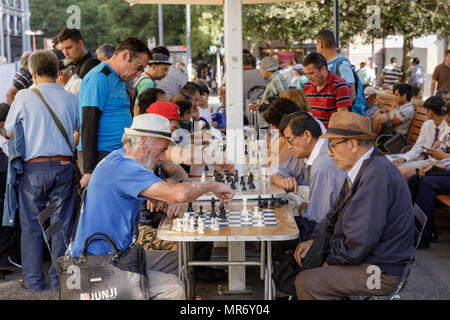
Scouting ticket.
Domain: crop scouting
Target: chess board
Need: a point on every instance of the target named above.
(235, 218)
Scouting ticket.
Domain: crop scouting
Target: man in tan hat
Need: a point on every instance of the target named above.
(373, 235)
(117, 187)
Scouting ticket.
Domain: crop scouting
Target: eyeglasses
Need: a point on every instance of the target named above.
(140, 66)
(332, 145)
(289, 140)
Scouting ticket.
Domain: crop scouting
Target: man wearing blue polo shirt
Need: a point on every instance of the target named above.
(104, 103)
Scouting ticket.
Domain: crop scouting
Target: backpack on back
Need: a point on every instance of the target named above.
(359, 104)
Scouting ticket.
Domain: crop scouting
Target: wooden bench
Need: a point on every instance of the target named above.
(419, 118)
(388, 100)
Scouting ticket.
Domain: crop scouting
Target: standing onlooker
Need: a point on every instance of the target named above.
(366, 74)
(341, 66)
(418, 74)
(277, 83)
(158, 68)
(326, 92)
(441, 75)
(105, 105)
(22, 79)
(105, 52)
(175, 80)
(72, 45)
(47, 169)
(300, 74)
(392, 74)
(5, 232)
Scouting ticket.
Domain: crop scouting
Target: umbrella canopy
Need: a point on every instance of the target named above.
(206, 2)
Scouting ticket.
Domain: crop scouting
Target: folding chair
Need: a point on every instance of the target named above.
(420, 220)
(54, 228)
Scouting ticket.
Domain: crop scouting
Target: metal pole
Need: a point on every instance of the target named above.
(336, 22)
(188, 41)
(161, 26)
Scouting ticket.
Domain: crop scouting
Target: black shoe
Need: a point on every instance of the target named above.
(424, 244)
(208, 274)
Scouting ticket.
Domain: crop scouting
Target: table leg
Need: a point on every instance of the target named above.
(263, 260)
(236, 274)
(180, 260)
(269, 270)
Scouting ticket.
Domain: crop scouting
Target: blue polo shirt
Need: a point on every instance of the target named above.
(102, 88)
(42, 136)
(112, 203)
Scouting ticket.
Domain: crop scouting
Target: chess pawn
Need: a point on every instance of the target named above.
(222, 212)
(200, 228)
(256, 211)
(200, 213)
(174, 224)
(190, 209)
(243, 181)
(260, 204)
(232, 185)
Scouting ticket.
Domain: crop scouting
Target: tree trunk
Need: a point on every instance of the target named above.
(408, 51)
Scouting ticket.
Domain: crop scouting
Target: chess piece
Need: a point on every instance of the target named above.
(232, 185)
(222, 212)
(191, 225)
(200, 213)
(203, 178)
(190, 209)
(201, 226)
(260, 205)
(236, 176)
(174, 224)
(251, 185)
(272, 203)
(215, 224)
(260, 221)
(242, 181)
(243, 188)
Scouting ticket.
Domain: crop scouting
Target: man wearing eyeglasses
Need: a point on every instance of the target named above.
(105, 105)
(320, 174)
(374, 229)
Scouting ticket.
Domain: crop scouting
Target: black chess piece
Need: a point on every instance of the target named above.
(272, 203)
(222, 212)
(190, 209)
(242, 181)
(243, 187)
(265, 203)
(232, 185)
(213, 212)
(213, 203)
(236, 175)
(251, 185)
(200, 213)
(260, 202)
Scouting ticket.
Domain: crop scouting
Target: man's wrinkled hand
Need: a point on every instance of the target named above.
(85, 180)
(301, 250)
(289, 184)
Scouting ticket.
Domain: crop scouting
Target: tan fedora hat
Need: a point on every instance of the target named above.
(151, 125)
(344, 124)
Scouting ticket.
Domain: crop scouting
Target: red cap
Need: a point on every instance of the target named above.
(166, 109)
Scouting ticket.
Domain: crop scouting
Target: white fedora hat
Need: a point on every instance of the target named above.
(151, 125)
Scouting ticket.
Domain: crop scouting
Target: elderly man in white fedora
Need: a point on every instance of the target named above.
(120, 183)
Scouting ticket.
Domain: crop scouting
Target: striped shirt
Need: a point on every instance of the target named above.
(22, 79)
(276, 84)
(336, 94)
(391, 74)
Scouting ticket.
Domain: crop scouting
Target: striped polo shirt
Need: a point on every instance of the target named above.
(336, 94)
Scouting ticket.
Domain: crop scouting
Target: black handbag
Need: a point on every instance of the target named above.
(113, 276)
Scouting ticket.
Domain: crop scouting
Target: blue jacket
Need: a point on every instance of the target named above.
(376, 225)
(16, 148)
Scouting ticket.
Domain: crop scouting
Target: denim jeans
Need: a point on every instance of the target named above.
(41, 184)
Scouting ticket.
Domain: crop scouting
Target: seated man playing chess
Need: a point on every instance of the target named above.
(117, 187)
(320, 174)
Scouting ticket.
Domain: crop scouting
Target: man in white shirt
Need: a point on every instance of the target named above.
(430, 132)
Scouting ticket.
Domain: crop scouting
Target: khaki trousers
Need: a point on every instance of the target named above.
(339, 281)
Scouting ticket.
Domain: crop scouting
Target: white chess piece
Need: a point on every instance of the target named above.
(185, 225)
(203, 178)
(259, 221)
(215, 224)
(200, 227)
(174, 224)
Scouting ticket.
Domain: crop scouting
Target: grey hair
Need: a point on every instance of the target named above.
(107, 50)
(367, 143)
(132, 141)
(43, 63)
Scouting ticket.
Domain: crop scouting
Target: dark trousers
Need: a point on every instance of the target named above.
(424, 192)
(305, 230)
(41, 184)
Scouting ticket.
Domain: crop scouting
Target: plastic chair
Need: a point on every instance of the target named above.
(53, 228)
